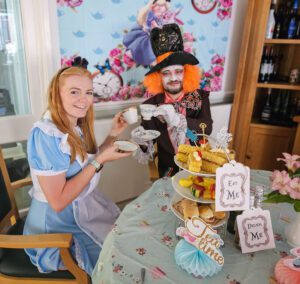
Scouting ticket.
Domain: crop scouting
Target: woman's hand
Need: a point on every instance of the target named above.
(111, 153)
(118, 126)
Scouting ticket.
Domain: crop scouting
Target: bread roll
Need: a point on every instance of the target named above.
(190, 208)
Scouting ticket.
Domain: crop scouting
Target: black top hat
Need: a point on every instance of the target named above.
(169, 39)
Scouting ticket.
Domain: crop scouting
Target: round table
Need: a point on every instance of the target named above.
(140, 248)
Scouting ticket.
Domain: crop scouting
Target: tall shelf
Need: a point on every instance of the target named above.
(258, 144)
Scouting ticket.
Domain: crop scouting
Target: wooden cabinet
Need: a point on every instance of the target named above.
(266, 143)
(258, 144)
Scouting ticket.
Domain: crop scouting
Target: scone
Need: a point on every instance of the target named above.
(206, 213)
(218, 215)
(190, 208)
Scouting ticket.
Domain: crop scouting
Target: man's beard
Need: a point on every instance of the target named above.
(173, 91)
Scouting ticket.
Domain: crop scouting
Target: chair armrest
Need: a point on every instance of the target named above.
(22, 182)
(36, 241)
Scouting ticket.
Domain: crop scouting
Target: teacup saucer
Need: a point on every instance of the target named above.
(126, 146)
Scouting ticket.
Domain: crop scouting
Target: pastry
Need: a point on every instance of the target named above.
(182, 157)
(186, 149)
(209, 167)
(213, 157)
(206, 213)
(194, 161)
(178, 207)
(190, 208)
(284, 274)
(219, 215)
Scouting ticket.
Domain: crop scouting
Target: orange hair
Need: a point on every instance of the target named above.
(191, 80)
(79, 146)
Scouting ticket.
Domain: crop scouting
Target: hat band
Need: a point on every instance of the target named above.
(162, 57)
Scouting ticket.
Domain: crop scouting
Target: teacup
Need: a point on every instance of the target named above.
(147, 111)
(130, 115)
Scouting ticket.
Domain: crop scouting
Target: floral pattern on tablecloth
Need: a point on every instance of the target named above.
(120, 270)
(144, 238)
(167, 240)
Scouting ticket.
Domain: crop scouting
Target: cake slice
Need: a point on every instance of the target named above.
(182, 157)
(194, 162)
(209, 167)
(186, 149)
(213, 157)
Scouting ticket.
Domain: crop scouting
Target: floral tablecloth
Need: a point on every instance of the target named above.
(143, 238)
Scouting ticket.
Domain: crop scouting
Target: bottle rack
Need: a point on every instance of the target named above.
(258, 144)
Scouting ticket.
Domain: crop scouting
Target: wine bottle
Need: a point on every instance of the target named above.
(279, 21)
(266, 112)
(284, 107)
(270, 65)
(275, 109)
(292, 108)
(298, 107)
(271, 21)
(231, 221)
(276, 61)
(297, 35)
(285, 20)
(292, 26)
(264, 65)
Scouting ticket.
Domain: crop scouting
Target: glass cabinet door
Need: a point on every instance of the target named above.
(14, 93)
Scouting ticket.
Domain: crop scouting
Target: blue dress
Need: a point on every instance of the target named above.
(137, 40)
(89, 217)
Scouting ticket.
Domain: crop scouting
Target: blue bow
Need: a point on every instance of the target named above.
(191, 135)
(104, 67)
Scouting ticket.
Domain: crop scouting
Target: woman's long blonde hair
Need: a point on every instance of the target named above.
(79, 146)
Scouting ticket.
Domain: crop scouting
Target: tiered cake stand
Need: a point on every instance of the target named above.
(182, 192)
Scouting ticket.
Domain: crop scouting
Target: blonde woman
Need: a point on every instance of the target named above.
(65, 165)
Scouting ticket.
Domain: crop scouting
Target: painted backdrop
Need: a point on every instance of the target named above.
(110, 35)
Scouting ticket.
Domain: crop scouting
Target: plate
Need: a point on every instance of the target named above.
(143, 135)
(176, 197)
(184, 191)
(183, 167)
(126, 146)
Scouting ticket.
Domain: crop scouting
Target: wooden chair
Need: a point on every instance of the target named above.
(15, 265)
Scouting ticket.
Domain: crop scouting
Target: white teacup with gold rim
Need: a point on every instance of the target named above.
(147, 111)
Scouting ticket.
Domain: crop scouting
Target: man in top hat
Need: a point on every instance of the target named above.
(174, 83)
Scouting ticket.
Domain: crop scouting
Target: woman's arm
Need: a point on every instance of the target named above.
(60, 192)
(118, 126)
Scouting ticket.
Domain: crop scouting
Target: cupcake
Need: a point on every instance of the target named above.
(285, 274)
(194, 261)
